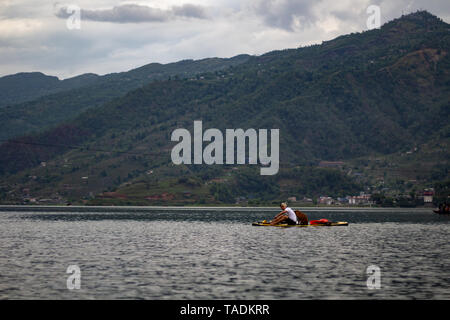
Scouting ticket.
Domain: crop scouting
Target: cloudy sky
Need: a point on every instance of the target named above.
(116, 35)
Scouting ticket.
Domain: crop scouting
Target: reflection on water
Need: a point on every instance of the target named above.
(135, 253)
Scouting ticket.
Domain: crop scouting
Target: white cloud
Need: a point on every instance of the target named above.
(136, 13)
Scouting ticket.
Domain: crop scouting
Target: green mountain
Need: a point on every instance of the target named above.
(26, 86)
(359, 97)
(33, 102)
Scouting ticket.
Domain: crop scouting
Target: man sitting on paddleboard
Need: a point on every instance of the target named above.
(287, 216)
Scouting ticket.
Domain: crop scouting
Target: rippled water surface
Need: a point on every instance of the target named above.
(180, 253)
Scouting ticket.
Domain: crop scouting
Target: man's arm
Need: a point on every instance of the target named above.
(282, 212)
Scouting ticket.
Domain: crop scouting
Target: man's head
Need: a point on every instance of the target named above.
(283, 205)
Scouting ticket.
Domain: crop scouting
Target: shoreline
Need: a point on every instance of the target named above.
(246, 208)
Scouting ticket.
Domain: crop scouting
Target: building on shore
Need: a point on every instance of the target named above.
(362, 199)
(428, 196)
(325, 200)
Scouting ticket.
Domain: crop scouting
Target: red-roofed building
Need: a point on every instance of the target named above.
(428, 196)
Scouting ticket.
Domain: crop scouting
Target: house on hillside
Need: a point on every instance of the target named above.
(363, 199)
(342, 200)
(428, 196)
(325, 200)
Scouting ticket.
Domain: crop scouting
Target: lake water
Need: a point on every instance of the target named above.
(208, 253)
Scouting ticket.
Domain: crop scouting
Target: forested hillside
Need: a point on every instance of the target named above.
(370, 94)
(34, 102)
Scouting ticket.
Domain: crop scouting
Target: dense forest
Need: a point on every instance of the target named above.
(33, 101)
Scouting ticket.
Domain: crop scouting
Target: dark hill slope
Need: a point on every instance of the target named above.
(56, 100)
(25, 86)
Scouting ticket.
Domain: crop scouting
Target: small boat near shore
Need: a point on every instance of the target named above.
(443, 208)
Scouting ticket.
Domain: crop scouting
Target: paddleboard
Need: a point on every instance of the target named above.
(285, 225)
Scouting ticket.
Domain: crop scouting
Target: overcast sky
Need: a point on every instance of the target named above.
(118, 35)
